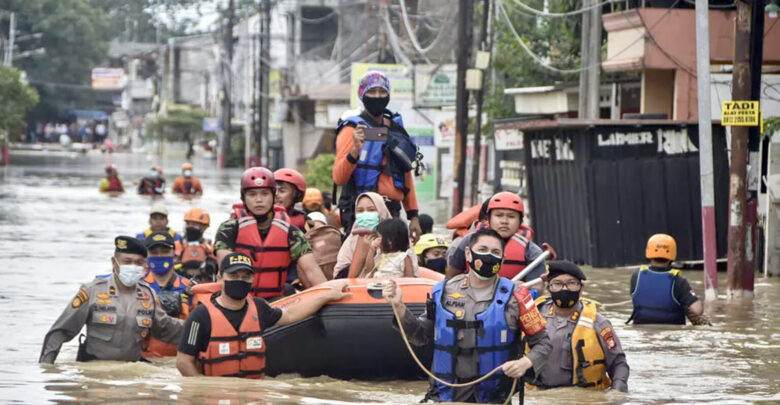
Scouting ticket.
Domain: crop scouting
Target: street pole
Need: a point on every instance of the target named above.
(9, 55)
(226, 66)
(477, 155)
(594, 68)
(465, 18)
(706, 171)
(265, 57)
(739, 154)
(585, 61)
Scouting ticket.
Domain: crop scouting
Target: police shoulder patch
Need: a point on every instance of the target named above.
(80, 298)
(609, 337)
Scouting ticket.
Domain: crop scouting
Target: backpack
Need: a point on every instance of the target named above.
(325, 242)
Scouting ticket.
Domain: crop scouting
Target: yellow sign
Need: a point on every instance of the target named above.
(740, 114)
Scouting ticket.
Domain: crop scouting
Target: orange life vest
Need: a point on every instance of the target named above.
(514, 253)
(203, 292)
(195, 253)
(232, 353)
(270, 257)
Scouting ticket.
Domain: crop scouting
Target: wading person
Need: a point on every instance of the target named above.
(223, 336)
(119, 309)
(659, 292)
(187, 184)
(153, 184)
(586, 351)
(158, 222)
(474, 322)
(111, 183)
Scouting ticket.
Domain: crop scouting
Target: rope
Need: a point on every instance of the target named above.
(439, 380)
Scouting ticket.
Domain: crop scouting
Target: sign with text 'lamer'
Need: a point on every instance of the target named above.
(740, 113)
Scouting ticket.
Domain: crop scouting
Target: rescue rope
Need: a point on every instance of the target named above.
(439, 380)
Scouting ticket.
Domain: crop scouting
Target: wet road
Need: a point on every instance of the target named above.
(56, 232)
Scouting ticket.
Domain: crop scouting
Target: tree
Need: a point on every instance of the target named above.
(16, 97)
(181, 124)
(319, 171)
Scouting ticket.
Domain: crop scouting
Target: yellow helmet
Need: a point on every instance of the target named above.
(428, 241)
(661, 246)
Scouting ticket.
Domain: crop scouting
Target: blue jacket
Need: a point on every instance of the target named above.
(654, 300)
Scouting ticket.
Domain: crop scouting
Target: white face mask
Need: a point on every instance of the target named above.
(187, 173)
(153, 174)
(130, 274)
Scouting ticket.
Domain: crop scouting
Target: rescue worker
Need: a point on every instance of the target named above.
(223, 337)
(313, 201)
(171, 288)
(119, 309)
(158, 222)
(659, 292)
(586, 351)
(290, 189)
(192, 250)
(505, 216)
(474, 322)
(265, 234)
(431, 250)
(153, 184)
(187, 184)
(361, 165)
(111, 183)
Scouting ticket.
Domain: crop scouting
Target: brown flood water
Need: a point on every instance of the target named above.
(56, 232)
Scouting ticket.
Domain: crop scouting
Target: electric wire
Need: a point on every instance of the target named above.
(541, 13)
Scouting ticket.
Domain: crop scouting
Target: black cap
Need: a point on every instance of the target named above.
(129, 244)
(557, 267)
(160, 238)
(235, 262)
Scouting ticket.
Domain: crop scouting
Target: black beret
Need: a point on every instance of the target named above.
(557, 267)
(160, 238)
(235, 262)
(129, 244)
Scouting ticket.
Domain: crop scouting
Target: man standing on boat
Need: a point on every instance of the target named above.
(266, 235)
(223, 337)
(474, 322)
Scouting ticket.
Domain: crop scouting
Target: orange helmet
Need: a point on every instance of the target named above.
(186, 166)
(661, 246)
(506, 200)
(312, 197)
(198, 215)
(293, 177)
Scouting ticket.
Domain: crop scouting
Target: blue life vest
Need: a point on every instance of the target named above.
(494, 342)
(654, 300)
(370, 162)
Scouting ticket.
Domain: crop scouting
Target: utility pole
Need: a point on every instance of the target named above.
(706, 170)
(9, 48)
(590, 49)
(465, 19)
(739, 154)
(484, 45)
(265, 70)
(227, 81)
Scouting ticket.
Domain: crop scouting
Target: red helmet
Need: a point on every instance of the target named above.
(507, 201)
(293, 177)
(257, 177)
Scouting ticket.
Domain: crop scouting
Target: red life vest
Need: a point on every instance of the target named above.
(514, 253)
(114, 184)
(297, 218)
(270, 257)
(232, 353)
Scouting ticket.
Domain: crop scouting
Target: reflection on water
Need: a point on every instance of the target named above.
(56, 232)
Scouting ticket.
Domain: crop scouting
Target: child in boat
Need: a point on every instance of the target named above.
(392, 259)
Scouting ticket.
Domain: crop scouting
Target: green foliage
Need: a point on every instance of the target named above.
(771, 126)
(181, 123)
(16, 97)
(319, 171)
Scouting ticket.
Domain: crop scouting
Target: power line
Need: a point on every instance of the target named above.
(541, 13)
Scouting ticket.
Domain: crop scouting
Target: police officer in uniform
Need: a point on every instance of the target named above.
(585, 349)
(474, 321)
(119, 309)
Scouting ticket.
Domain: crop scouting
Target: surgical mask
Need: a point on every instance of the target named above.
(187, 173)
(160, 265)
(237, 289)
(485, 265)
(153, 174)
(367, 220)
(565, 298)
(438, 264)
(130, 274)
(192, 234)
(375, 105)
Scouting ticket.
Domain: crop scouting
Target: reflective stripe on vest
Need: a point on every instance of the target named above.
(515, 253)
(232, 353)
(494, 341)
(371, 161)
(270, 257)
(654, 300)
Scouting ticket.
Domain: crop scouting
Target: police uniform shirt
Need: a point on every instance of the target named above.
(459, 296)
(558, 372)
(197, 330)
(456, 258)
(117, 321)
(683, 293)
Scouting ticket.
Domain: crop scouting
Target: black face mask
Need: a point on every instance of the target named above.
(375, 105)
(439, 264)
(565, 298)
(192, 234)
(486, 265)
(237, 289)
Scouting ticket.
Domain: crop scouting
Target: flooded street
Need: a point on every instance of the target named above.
(56, 232)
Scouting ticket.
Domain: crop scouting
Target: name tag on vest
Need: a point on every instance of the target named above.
(254, 342)
(224, 348)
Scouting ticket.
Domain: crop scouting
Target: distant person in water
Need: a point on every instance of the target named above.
(187, 184)
(111, 183)
(152, 184)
